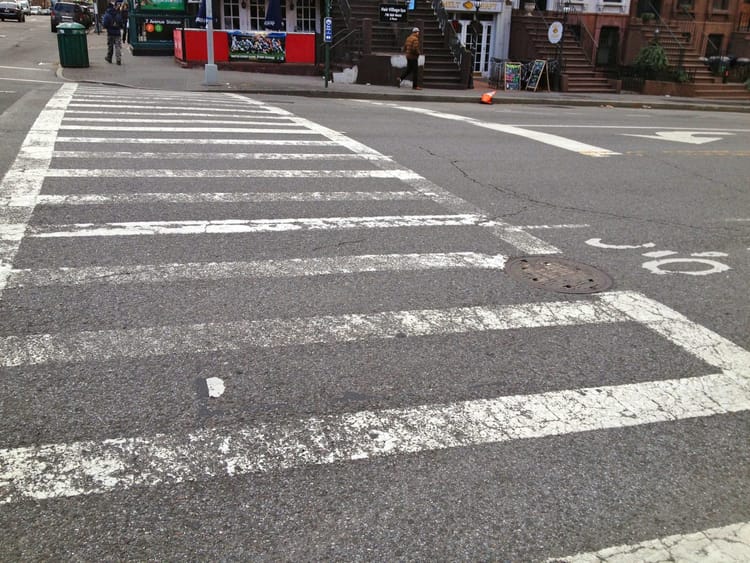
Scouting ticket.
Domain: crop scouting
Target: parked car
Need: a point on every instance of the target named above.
(24, 6)
(65, 12)
(36, 10)
(44, 11)
(11, 11)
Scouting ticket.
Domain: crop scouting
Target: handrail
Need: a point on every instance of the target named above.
(451, 37)
(703, 34)
(346, 11)
(665, 25)
(350, 32)
(589, 45)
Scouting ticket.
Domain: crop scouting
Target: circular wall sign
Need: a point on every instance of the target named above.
(554, 33)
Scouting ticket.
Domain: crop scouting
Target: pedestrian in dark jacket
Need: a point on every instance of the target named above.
(112, 22)
(412, 51)
(125, 21)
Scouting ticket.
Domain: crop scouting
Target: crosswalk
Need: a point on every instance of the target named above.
(152, 196)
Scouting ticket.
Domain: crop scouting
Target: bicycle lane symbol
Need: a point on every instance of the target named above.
(669, 262)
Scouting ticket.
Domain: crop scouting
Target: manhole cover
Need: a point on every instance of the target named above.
(558, 274)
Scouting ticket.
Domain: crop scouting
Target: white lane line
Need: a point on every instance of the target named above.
(29, 80)
(515, 236)
(724, 544)
(26, 68)
(662, 127)
(223, 197)
(218, 155)
(270, 333)
(80, 468)
(143, 129)
(231, 173)
(24, 179)
(545, 138)
(294, 267)
(250, 225)
(738, 219)
(184, 142)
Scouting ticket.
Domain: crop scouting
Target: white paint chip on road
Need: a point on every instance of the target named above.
(215, 387)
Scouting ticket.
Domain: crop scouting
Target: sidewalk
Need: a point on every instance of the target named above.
(164, 73)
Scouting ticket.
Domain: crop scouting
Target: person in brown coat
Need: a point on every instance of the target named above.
(412, 51)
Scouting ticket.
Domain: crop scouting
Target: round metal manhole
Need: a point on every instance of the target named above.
(558, 274)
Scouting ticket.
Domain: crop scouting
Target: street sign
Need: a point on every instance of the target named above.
(328, 30)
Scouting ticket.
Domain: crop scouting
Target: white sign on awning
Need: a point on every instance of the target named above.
(470, 6)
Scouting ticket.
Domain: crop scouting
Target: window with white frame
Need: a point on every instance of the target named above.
(306, 16)
(257, 14)
(231, 14)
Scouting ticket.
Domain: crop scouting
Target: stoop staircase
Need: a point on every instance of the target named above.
(580, 73)
(705, 84)
(440, 69)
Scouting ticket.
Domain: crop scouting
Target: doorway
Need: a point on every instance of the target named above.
(609, 46)
(479, 44)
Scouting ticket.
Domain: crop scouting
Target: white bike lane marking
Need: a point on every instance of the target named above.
(661, 265)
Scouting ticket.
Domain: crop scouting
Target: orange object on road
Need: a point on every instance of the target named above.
(487, 97)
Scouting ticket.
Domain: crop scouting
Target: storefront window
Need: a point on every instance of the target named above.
(306, 17)
(231, 14)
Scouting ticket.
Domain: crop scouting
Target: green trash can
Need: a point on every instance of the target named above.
(71, 44)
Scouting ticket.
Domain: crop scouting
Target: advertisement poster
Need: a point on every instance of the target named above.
(158, 29)
(257, 46)
(161, 5)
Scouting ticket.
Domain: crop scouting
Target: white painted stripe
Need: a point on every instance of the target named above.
(724, 544)
(80, 468)
(269, 333)
(546, 138)
(186, 142)
(662, 127)
(317, 156)
(8, 78)
(25, 68)
(223, 197)
(703, 343)
(24, 179)
(230, 173)
(250, 225)
(108, 107)
(549, 227)
(295, 267)
(237, 115)
(515, 236)
(738, 219)
(156, 118)
(142, 129)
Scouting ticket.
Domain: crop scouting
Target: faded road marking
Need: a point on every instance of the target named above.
(728, 543)
(165, 273)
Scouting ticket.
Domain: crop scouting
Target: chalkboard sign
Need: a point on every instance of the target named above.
(536, 74)
(512, 76)
(392, 13)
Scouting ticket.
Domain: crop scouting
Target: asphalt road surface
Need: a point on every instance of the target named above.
(276, 328)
